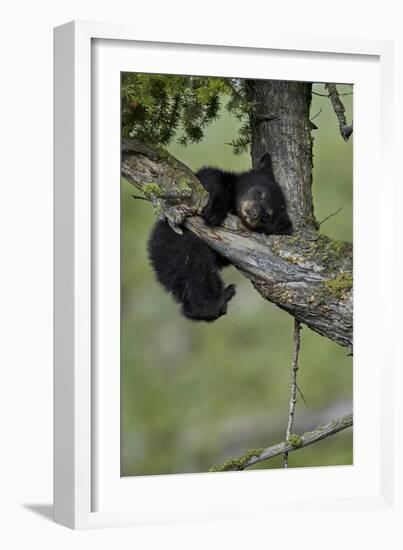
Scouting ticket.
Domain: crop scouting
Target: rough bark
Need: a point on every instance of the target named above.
(306, 274)
(280, 125)
(169, 184)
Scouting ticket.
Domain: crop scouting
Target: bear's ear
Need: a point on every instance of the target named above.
(265, 164)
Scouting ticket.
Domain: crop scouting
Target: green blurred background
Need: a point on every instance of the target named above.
(195, 395)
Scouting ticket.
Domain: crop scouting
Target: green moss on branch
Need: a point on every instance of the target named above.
(295, 440)
(237, 463)
(339, 286)
(152, 189)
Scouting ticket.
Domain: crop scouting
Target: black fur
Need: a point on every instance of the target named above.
(187, 267)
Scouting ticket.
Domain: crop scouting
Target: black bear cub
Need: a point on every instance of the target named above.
(187, 267)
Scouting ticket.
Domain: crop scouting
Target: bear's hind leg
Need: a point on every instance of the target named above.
(205, 298)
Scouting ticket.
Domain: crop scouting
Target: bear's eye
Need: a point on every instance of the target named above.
(265, 217)
(257, 195)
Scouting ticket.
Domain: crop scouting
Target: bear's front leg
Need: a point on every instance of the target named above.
(215, 211)
(217, 183)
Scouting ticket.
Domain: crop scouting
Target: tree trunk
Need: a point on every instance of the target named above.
(280, 125)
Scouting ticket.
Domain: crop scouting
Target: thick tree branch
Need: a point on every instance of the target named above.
(295, 442)
(169, 184)
(306, 274)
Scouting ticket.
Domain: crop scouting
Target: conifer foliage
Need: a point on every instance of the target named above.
(158, 108)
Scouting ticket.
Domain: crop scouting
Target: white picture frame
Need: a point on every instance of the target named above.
(88, 490)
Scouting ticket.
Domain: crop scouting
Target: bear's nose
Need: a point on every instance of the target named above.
(253, 213)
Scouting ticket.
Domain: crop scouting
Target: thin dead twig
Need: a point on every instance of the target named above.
(293, 387)
(330, 215)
